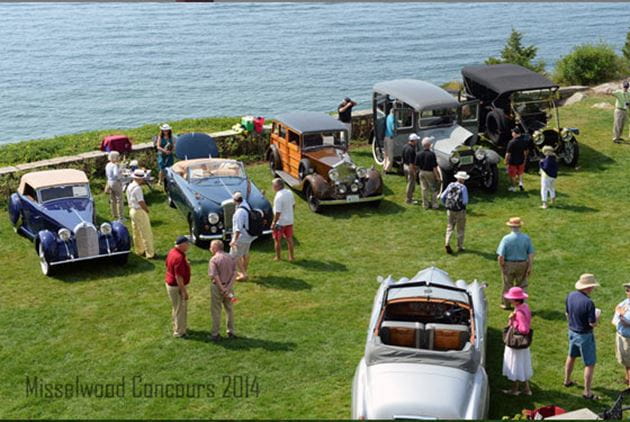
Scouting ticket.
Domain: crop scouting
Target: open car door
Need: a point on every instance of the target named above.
(468, 115)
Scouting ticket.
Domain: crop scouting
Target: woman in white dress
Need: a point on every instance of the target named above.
(517, 363)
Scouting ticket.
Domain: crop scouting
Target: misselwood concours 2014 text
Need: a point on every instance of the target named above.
(226, 386)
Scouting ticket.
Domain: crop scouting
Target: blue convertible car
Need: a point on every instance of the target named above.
(55, 209)
(200, 186)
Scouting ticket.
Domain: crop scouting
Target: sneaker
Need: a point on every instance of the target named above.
(232, 335)
(617, 141)
(448, 249)
(543, 206)
(511, 189)
(461, 249)
(521, 188)
(215, 338)
(409, 202)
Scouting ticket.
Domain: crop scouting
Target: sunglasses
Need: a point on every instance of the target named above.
(627, 289)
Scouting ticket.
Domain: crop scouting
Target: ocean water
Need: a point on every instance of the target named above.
(73, 67)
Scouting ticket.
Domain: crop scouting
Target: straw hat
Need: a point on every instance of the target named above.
(516, 293)
(548, 150)
(626, 285)
(586, 281)
(462, 175)
(165, 126)
(514, 222)
(138, 174)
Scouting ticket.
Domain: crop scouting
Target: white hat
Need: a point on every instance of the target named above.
(414, 137)
(165, 126)
(138, 174)
(462, 175)
(586, 281)
(237, 196)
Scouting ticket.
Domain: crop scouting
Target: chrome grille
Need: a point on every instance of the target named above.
(87, 240)
(228, 213)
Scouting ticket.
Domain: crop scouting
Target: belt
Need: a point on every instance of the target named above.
(507, 260)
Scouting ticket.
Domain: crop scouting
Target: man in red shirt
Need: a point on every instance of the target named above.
(177, 278)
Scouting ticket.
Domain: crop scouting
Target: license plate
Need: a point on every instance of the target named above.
(466, 159)
(352, 198)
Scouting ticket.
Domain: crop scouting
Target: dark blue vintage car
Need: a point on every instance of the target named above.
(55, 209)
(201, 185)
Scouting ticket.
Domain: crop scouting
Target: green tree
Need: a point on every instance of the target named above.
(516, 53)
(626, 47)
(589, 64)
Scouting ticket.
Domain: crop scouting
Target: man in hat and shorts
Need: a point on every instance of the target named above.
(516, 259)
(455, 199)
(583, 317)
(516, 158)
(139, 214)
(622, 103)
(177, 278)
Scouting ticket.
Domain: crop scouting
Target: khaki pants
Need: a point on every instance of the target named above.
(428, 184)
(179, 313)
(142, 234)
(217, 300)
(620, 120)
(456, 220)
(514, 275)
(116, 199)
(411, 183)
(388, 154)
(349, 128)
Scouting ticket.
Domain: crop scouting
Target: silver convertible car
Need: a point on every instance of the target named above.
(425, 351)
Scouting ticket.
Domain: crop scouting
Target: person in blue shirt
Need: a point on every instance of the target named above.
(388, 159)
(548, 176)
(622, 341)
(516, 259)
(455, 199)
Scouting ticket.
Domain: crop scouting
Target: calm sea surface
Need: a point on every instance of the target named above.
(72, 67)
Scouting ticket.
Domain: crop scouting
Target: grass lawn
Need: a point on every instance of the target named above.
(303, 324)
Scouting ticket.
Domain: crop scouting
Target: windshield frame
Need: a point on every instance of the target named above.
(343, 134)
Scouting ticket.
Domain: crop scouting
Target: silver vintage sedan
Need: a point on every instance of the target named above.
(425, 351)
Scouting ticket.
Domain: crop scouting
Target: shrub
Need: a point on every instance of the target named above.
(626, 47)
(514, 52)
(589, 64)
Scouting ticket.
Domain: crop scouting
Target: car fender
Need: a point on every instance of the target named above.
(492, 157)
(359, 408)
(319, 185)
(121, 236)
(49, 242)
(15, 207)
(273, 151)
(374, 183)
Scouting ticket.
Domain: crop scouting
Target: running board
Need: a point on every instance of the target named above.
(289, 180)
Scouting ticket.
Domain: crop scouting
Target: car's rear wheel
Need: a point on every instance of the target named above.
(571, 153)
(47, 269)
(378, 152)
(311, 199)
(304, 169)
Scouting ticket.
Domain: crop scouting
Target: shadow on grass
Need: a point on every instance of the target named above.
(490, 256)
(316, 265)
(591, 160)
(574, 208)
(102, 269)
(385, 207)
(241, 343)
(549, 315)
(281, 282)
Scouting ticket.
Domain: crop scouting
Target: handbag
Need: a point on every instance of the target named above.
(516, 340)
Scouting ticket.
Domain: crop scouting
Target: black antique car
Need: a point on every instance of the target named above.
(201, 185)
(512, 95)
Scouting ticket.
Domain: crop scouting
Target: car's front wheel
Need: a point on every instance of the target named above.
(311, 199)
(378, 152)
(571, 153)
(193, 235)
(490, 178)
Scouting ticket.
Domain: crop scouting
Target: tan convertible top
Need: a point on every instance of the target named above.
(46, 178)
(181, 167)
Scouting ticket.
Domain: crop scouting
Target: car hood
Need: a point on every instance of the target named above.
(447, 139)
(417, 391)
(70, 212)
(212, 192)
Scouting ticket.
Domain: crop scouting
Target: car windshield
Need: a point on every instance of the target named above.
(335, 139)
(64, 191)
(438, 117)
(535, 108)
(215, 171)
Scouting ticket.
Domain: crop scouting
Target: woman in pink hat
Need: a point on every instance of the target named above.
(517, 363)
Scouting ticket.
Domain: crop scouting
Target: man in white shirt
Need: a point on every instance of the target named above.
(114, 186)
(282, 223)
(139, 214)
(241, 239)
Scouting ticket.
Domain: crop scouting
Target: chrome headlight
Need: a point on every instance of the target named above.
(454, 159)
(106, 228)
(354, 187)
(361, 172)
(480, 154)
(566, 134)
(333, 174)
(213, 218)
(64, 234)
(538, 137)
(213, 229)
(341, 189)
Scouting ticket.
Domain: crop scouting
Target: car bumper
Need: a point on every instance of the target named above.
(86, 258)
(225, 236)
(353, 201)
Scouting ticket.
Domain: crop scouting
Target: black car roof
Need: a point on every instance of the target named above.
(310, 121)
(506, 78)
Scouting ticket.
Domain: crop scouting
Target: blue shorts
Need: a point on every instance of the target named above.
(582, 345)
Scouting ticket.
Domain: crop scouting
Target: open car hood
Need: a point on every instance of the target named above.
(213, 192)
(417, 391)
(447, 139)
(329, 156)
(69, 212)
